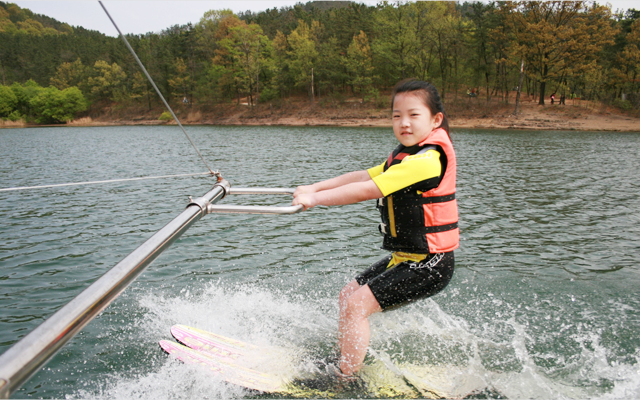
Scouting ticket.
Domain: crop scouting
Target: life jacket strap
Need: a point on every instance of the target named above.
(439, 228)
(439, 199)
(417, 200)
(382, 227)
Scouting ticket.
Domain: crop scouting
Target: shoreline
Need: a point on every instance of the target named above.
(610, 125)
(601, 124)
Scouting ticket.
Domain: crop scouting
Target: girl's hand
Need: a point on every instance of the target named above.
(303, 190)
(307, 200)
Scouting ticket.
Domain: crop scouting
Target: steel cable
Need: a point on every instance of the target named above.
(126, 42)
(98, 182)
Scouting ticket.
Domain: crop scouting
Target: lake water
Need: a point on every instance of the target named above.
(543, 304)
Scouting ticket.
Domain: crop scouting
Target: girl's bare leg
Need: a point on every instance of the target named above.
(356, 304)
(345, 293)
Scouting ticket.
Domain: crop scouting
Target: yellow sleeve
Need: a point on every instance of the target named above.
(412, 169)
(375, 171)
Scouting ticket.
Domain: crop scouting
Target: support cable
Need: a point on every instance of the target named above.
(126, 42)
(99, 182)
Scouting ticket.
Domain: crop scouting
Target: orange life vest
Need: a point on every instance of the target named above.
(422, 221)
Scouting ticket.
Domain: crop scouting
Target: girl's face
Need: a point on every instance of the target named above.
(412, 119)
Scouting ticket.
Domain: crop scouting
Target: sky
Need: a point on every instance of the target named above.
(139, 17)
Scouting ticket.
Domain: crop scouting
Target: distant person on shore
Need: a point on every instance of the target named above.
(415, 188)
(562, 98)
(553, 98)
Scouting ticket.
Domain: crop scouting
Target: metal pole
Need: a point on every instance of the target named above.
(25, 357)
(240, 190)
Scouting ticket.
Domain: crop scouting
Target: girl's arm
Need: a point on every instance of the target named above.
(351, 177)
(349, 188)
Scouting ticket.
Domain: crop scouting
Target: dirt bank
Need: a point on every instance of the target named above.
(575, 115)
(466, 113)
(463, 113)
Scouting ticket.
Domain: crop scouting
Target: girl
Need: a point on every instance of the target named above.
(416, 191)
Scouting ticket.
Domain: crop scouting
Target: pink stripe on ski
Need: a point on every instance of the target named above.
(216, 345)
(235, 374)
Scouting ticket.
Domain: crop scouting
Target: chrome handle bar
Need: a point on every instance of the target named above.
(233, 190)
(233, 209)
(230, 209)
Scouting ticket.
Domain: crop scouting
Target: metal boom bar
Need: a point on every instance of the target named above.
(25, 357)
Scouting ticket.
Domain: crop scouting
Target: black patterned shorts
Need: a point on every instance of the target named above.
(407, 281)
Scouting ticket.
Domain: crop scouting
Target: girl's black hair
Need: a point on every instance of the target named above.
(429, 95)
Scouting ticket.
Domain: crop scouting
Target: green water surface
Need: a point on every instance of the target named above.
(543, 303)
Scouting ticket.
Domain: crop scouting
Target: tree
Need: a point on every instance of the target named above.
(223, 61)
(69, 74)
(559, 38)
(54, 106)
(281, 80)
(24, 93)
(180, 82)
(345, 22)
(446, 32)
(140, 88)
(107, 81)
(328, 77)
(627, 70)
(505, 52)
(359, 64)
(8, 101)
(6, 25)
(319, 47)
(248, 49)
(426, 16)
(303, 55)
(211, 29)
(31, 27)
(484, 44)
(394, 41)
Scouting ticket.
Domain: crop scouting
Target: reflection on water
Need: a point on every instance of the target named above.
(542, 304)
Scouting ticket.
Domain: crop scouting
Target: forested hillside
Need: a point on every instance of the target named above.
(327, 52)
